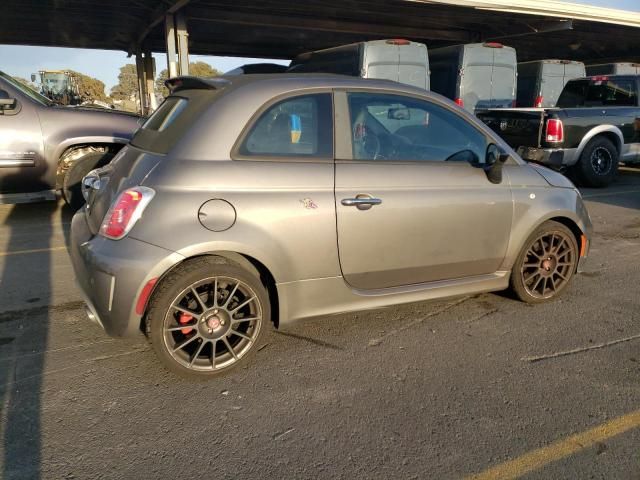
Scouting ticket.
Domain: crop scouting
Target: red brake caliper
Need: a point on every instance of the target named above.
(183, 320)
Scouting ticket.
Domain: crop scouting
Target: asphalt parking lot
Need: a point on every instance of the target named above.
(431, 390)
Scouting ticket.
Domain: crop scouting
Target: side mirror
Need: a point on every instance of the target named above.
(33, 77)
(494, 160)
(6, 102)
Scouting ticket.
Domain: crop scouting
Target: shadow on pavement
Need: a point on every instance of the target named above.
(623, 192)
(23, 340)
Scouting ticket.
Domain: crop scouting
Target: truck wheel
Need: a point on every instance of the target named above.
(71, 190)
(598, 164)
(206, 318)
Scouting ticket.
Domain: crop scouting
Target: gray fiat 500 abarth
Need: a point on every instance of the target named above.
(258, 199)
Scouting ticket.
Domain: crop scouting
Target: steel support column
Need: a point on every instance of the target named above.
(142, 85)
(170, 37)
(182, 37)
(150, 75)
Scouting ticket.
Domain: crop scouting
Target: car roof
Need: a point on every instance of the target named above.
(290, 81)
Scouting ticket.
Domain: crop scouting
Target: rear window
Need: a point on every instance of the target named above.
(165, 114)
(173, 118)
(599, 93)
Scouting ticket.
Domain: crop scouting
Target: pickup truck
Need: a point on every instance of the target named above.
(45, 148)
(594, 125)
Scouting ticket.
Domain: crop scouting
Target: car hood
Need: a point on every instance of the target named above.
(552, 177)
(61, 123)
(94, 109)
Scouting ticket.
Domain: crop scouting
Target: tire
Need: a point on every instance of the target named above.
(71, 186)
(195, 347)
(598, 163)
(532, 284)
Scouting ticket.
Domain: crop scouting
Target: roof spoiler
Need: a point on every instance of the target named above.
(177, 84)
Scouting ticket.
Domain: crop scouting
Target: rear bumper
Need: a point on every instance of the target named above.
(554, 157)
(111, 275)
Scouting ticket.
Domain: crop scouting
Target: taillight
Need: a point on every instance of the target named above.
(555, 130)
(398, 41)
(493, 45)
(539, 101)
(514, 103)
(459, 102)
(125, 212)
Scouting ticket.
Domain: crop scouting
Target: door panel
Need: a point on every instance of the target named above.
(436, 221)
(22, 165)
(476, 86)
(381, 61)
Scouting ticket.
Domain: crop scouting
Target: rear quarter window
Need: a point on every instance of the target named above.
(296, 127)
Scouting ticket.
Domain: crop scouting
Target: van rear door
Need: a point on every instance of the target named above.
(413, 65)
(398, 60)
(476, 73)
(551, 82)
(503, 77)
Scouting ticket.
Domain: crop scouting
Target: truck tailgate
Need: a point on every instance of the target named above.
(517, 126)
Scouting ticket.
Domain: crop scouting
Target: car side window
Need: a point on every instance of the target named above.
(396, 127)
(301, 126)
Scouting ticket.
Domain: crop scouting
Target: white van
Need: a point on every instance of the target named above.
(614, 69)
(399, 60)
(540, 82)
(476, 75)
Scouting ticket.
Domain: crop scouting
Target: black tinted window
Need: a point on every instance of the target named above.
(599, 93)
(393, 127)
(296, 127)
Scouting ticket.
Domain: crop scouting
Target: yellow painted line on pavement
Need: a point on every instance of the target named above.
(35, 250)
(558, 450)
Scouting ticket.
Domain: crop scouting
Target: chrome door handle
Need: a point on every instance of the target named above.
(361, 202)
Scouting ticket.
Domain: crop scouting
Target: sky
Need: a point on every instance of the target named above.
(104, 65)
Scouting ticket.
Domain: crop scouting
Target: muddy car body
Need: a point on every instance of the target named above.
(258, 199)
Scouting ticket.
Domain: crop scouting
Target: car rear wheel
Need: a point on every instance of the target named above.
(207, 317)
(71, 188)
(598, 163)
(546, 263)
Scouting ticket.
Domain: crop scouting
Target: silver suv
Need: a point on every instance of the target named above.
(252, 200)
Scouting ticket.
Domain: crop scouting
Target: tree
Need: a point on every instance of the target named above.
(90, 88)
(127, 87)
(196, 69)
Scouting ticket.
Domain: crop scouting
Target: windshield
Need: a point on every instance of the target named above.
(56, 83)
(26, 90)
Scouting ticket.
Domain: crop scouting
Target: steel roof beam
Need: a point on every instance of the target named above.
(199, 14)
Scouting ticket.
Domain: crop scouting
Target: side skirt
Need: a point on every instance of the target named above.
(331, 296)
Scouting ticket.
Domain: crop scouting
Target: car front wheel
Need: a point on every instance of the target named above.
(207, 317)
(546, 263)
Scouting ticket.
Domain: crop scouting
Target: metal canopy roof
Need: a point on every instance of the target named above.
(283, 28)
